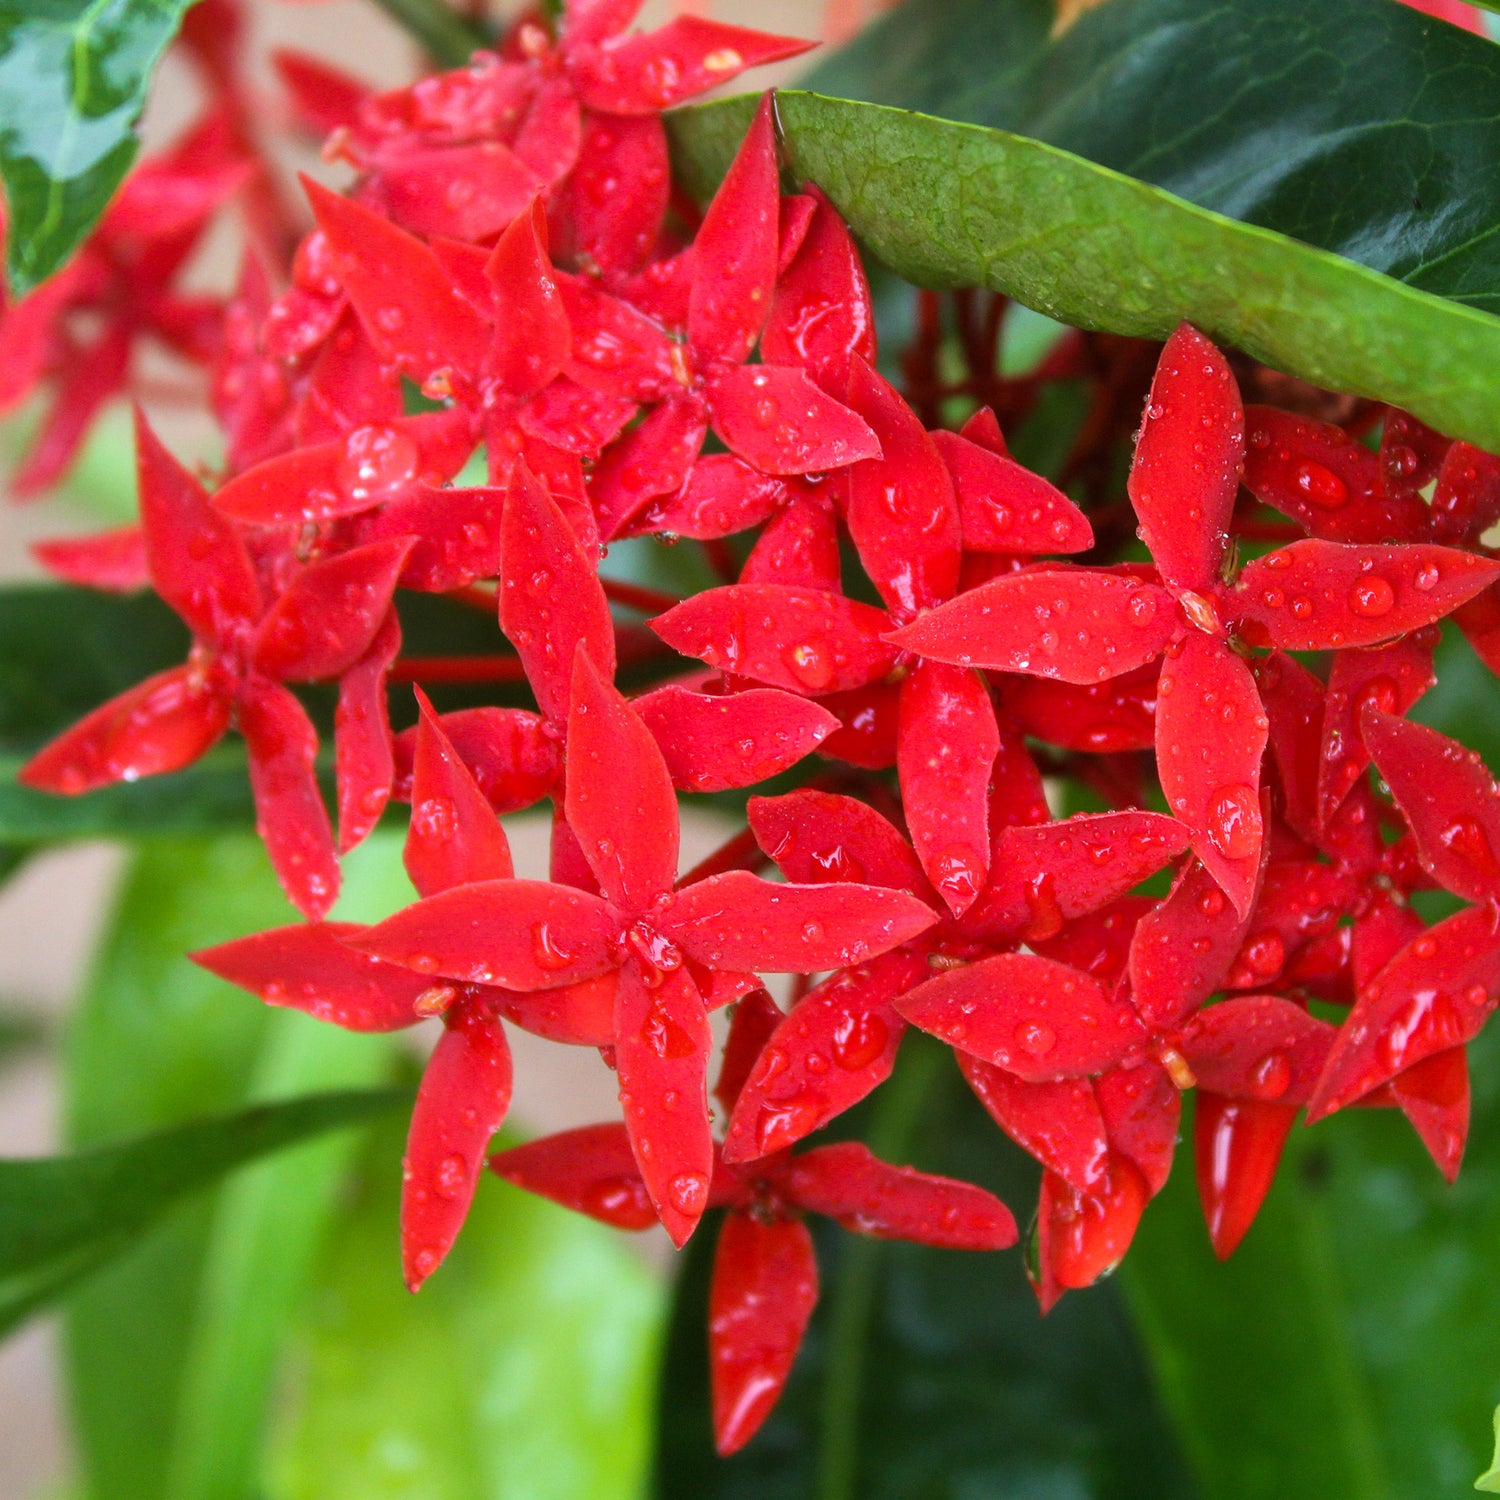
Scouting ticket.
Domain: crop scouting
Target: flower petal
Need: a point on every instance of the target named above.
(532, 340)
(1237, 1145)
(736, 921)
(462, 1102)
(1068, 623)
(364, 757)
(114, 561)
(1038, 1019)
(309, 967)
(618, 230)
(1187, 460)
(590, 1170)
(804, 640)
(1211, 733)
(1058, 1122)
(820, 836)
(764, 1287)
(1257, 1047)
(1006, 508)
(775, 418)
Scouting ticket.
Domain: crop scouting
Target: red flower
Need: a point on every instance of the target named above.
(765, 1279)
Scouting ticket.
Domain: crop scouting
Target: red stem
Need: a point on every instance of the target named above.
(457, 669)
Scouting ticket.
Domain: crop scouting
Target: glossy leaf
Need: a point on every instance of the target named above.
(947, 204)
(73, 77)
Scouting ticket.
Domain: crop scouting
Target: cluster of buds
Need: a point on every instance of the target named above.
(896, 601)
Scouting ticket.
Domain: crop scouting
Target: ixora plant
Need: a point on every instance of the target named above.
(1100, 702)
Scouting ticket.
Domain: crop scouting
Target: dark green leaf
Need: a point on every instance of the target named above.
(73, 77)
(1359, 126)
(949, 205)
(523, 1369)
(927, 1374)
(61, 1216)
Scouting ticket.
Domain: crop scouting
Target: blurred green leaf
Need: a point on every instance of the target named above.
(73, 77)
(1358, 126)
(62, 1216)
(173, 1351)
(1489, 1481)
(522, 1371)
(929, 1374)
(947, 205)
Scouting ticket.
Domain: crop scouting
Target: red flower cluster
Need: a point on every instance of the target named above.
(508, 250)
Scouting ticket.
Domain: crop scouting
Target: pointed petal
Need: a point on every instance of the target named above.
(1299, 903)
(820, 836)
(1006, 508)
(736, 921)
(619, 230)
(1450, 800)
(579, 1015)
(1102, 718)
(1187, 460)
(723, 495)
(1141, 1107)
(650, 460)
(454, 837)
(800, 639)
(1434, 1095)
(512, 757)
(620, 802)
(1389, 678)
(1098, 942)
(521, 934)
(1038, 1019)
(1237, 1144)
(198, 563)
(1018, 797)
(457, 535)
(713, 742)
(1058, 1123)
(1435, 994)
(616, 349)
(946, 746)
(1045, 875)
(468, 192)
(114, 561)
(533, 340)
(1183, 948)
(1257, 1047)
(575, 418)
(590, 1170)
(308, 967)
(764, 1286)
(799, 547)
(289, 810)
(752, 1021)
(1210, 736)
(1316, 596)
(903, 514)
(364, 752)
(775, 418)
(462, 1102)
(736, 249)
(551, 134)
(323, 97)
(1067, 623)
(1466, 500)
(1294, 703)
(1083, 1236)
(822, 315)
(161, 724)
(689, 55)
(327, 617)
(847, 1020)
(86, 382)
(868, 720)
(869, 1196)
(662, 1046)
(551, 603)
(400, 291)
(1326, 480)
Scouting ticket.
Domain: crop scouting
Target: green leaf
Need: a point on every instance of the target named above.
(173, 1351)
(929, 1373)
(522, 1371)
(1359, 126)
(1347, 1348)
(948, 205)
(1489, 1481)
(73, 77)
(63, 1216)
